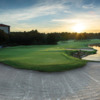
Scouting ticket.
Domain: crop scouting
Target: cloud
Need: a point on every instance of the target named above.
(68, 20)
(28, 13)
(90, 19)
(62, 12)
(46, 7)
(87, 2)
(67, 11)
(88, 6)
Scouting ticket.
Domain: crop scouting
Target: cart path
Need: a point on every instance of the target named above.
(78, 84)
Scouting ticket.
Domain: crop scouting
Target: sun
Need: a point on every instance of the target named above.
(78, 28)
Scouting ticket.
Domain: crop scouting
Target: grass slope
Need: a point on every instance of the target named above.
(49, 58)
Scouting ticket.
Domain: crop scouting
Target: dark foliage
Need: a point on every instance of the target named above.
(32, 38)
(3, 37)
(36, 38)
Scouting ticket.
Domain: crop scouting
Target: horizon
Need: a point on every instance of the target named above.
(57, 32)
(51, 16)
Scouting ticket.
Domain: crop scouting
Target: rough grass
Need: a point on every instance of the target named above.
(48, 58)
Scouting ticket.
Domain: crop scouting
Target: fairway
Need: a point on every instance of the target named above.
(49, 58)
(78, 44)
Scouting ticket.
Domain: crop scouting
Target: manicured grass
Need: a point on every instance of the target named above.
(78, 44)
(30, 58)
(48, 58)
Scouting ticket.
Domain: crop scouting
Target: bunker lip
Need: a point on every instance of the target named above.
(81, 53)
(95, 44)
(86, 49)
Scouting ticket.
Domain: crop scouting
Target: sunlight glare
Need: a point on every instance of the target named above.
(78, 28)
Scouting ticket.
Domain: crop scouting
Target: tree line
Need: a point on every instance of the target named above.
(36, 38)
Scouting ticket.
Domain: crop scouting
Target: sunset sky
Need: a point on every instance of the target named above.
(51, 15)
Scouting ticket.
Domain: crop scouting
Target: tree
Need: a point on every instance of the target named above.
(52, 38)
(3, 37)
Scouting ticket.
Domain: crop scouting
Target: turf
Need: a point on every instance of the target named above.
(78, 44)
(47, 58)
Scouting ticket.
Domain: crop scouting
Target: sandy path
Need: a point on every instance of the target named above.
(78, 84)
